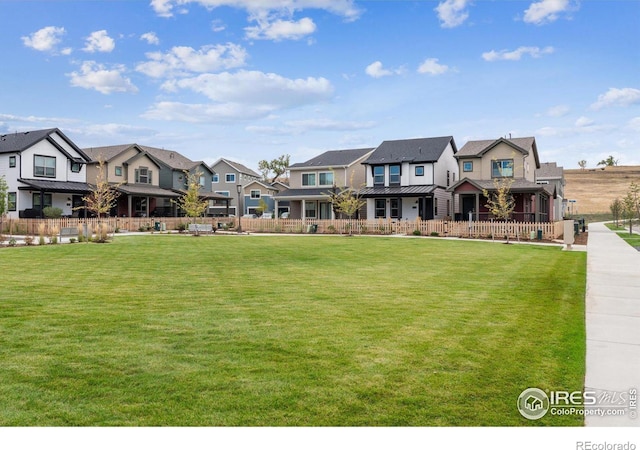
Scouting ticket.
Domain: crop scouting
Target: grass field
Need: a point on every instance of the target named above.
(263, 330)
(594, 190)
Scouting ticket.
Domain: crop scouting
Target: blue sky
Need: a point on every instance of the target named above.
(255, 79)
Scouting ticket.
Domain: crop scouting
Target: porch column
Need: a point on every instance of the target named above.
(129, 205)
(477, 207)
(275, 208)
(42, 204)
(304, 209)
(537, 207)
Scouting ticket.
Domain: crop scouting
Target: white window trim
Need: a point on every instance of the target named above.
(225, 193)
(464, 163)
(315, 179)
(255, 190)
(321, 173)
(226, 178)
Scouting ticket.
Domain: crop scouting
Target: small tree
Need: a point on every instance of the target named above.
(277, 166)
(609, 162)
(616, 208)
(345, 200)
(631, 204)
(500, 202)
(191, 202)
(262, 207)
(582, 164)
(104, 195)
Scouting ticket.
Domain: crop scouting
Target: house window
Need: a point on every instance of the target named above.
(75, 167)
(12, 161)
(255, 193)
(325, 178)
(202, 180)
(419, 171)
(378, 176)
(143, 175)
(310, 210)
(435, 206)
(118, 171)
(381, 208)
(48, 201)
(502, 168)
(230, 178)
(215, 178)
(448, 178)
(225, 193)
(44, 166)
(394, 175)
(12, 200)
(395, 208)
(308, 179)
(467, 166)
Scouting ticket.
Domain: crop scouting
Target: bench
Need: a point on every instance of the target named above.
(68, 231)
(201, 228)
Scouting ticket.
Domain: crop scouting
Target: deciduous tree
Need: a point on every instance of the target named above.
(609, 162)
(616, 208)
(191, 202)
(275, 168)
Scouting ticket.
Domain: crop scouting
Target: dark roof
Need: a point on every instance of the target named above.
(106, 153)
(411, 150)
(549, 170)
(144, 189)
(519, 185)
(399, 191)
(237, 167)
(18, 142)
(55, 186)
(300, 193)
(169, 158)
(334, 158)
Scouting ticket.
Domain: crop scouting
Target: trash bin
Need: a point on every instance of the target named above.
(532, 235)
(313, 228)
(156, 226)
(539, 234)
(576, 227)
(163, 226)
(583, 224)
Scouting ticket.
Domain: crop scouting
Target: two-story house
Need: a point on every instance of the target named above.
(42, 168)
(482, 162)
(259, 198)
(149, 179)
(407, 179)
(311, 182)
(228, 180)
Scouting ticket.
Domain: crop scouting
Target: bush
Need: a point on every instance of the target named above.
(28, 240)
(2, 238)
(12, 242)
(331, 229)
(182, 227)
(51, 212)
(434, 233)
(72, 240)
(417, 233)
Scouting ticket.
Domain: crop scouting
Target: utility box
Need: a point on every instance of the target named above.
(569, 236)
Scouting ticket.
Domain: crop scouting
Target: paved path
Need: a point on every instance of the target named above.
(613, 319)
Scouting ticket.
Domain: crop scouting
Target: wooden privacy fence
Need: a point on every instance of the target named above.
(515, 230)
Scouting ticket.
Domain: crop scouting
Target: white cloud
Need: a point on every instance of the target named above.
(99, 41)
(452, 13)
(546, 11)
(45, 39)
(617, 97)
(184, 60)
(150, 38)
(516, 55)
(329, 125)
(558, 111)
(106, 81)
(217, 26)
(634, 124)
(256, 88)
(281, 29)
(243, 95)
(583, 121)
(432, 67)
(376, 70)
(344, 8)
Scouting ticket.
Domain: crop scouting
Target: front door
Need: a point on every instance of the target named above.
(468, 205)
(325, 211)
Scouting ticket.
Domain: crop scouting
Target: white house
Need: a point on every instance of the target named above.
(407, 179)
(42, 168)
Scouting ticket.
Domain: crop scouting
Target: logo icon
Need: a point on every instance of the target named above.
(533, 403)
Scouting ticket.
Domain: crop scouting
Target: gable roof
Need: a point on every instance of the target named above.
(411, 150)
(549, 170)
(475, 149)
(18, 142)
(235, 166)
(107, 153)
(169, 158)
(265, 185)
(334, 159)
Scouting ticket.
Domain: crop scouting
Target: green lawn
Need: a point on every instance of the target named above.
(623, 231)
(263, 330)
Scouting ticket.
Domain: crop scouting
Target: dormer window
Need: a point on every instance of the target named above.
(75, 167)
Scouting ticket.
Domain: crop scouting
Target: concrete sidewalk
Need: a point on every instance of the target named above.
(613, 320)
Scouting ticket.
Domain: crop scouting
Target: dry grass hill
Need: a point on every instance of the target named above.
(595, 189)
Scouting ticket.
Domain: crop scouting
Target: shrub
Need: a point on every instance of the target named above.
(28, 240)
(2, 238)
(72, 240)
(12, 242)
(331, 229)
(53, 235)
(417, 233)
(52, 212)
(434, 233)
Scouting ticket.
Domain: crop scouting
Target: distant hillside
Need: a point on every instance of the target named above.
(595, 189)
